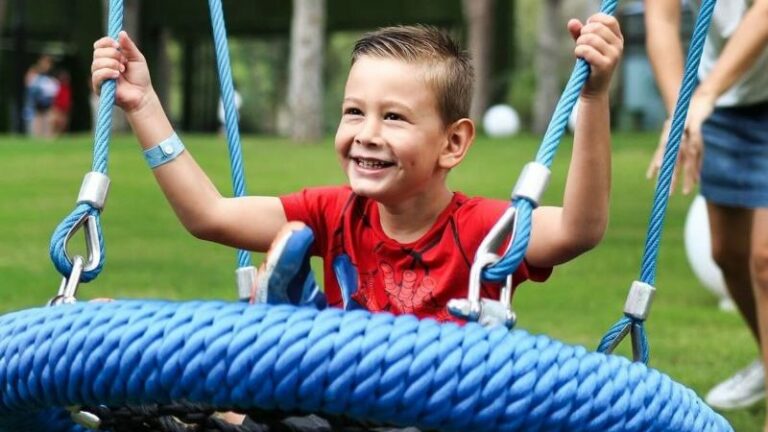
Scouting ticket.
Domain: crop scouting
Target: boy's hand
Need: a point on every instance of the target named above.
(600, 43)
(123, 61)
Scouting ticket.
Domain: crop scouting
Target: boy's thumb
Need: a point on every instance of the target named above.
(128, 47)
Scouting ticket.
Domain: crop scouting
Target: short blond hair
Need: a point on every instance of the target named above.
(450, 72)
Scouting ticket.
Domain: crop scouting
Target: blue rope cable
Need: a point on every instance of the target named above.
(374, 367)
(512, 258)
(230, 110)
(658, 211)
(100, 157)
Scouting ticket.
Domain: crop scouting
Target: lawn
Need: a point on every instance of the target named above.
(149, 254)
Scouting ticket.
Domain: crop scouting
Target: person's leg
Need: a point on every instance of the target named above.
(731, 232)
(759, 266)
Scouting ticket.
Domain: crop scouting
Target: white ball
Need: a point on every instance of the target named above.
(501, 121)
(699, 251)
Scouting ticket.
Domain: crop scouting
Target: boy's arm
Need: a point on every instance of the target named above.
(248, 222)
(560, 234)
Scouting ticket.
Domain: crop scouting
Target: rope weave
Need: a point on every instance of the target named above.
(230, 110)
(499, 271)
(661, 196)
(373, 367)
(100, 157)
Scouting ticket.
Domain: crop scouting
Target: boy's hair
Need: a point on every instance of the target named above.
(450, 72)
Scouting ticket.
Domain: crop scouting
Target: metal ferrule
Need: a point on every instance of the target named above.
(94, 190)
(639, 300)
(246, 282)
(532, 183)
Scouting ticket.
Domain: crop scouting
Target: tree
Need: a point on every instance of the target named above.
(305, 83)
(479, 17)
(546, 65)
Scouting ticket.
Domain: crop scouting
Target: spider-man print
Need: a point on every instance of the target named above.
(410, 291)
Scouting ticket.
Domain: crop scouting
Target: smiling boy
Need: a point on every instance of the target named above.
(404, 125)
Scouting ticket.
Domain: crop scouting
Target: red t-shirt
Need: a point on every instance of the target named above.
(417, 278)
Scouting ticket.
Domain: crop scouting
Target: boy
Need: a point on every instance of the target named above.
(404, 126)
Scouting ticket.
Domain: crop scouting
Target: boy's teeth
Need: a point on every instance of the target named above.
(371, 163)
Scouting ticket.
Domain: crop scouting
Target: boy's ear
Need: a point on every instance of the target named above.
(460, 136)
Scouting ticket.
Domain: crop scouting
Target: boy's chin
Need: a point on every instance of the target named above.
(373, 193)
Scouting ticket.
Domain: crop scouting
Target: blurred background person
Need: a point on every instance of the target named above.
(62, 104)
(40, 93)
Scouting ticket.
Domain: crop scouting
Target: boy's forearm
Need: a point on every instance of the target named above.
(187, 188)
(587, 190)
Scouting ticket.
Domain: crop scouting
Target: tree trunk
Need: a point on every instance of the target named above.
(3, 9)
(305, 86)
(546, 65)
(479, 17)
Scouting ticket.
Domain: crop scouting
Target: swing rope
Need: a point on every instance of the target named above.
(90, 203)
(230, 111)
(631, 323)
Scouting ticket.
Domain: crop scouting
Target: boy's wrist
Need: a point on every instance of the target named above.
(148, 107)
(594, 96)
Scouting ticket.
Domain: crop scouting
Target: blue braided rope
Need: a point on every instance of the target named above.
(100, 157)
(524, 208)
(230, 110)
(660, 199)
(375, 367)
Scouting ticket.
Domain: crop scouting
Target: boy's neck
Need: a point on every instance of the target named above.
(407, 221)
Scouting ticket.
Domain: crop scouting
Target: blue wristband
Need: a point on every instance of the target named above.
(168, 150)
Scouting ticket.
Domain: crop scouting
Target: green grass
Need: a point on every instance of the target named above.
(150, 255)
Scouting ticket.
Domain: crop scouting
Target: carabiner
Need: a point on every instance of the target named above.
(486, 312)
(68, 286)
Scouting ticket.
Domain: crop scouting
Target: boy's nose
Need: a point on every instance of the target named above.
(369, 134)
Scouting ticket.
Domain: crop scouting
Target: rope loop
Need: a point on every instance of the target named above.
(88, 218)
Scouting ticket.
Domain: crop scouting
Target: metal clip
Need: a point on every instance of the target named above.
(92, 242)
(85, 419)
(68, 287)
(486, 311)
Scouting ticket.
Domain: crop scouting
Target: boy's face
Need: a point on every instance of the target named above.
(391, 133)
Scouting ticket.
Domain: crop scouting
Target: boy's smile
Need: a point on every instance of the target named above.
(390, 134)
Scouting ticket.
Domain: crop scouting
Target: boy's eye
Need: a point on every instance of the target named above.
(392, 116)
(352, 111)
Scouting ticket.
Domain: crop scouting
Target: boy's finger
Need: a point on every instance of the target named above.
(104, 42)
(107, 63)
(574, 28)
(596, 42)
(608, 20)
(129, 48)
(603, 31)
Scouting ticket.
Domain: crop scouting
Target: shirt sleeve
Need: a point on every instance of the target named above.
(320, 208)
